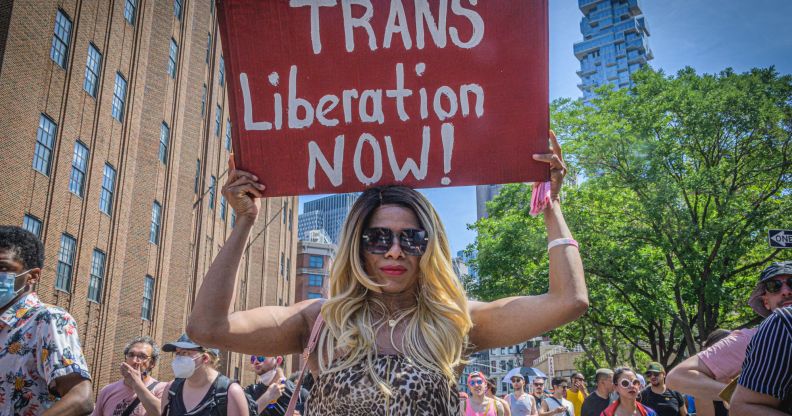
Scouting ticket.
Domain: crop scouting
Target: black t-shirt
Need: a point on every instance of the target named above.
(666, 404)
(279, 407)
(594, 405)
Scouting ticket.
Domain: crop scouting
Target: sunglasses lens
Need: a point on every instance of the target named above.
(773, 286)
(379, 240)
(259, 358)
(413, 242)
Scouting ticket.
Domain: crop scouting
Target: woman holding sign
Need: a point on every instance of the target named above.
(397, 326)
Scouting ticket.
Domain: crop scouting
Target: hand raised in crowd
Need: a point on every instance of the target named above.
(558, 168)
(274, 391)
(131, 375)
(242, 190)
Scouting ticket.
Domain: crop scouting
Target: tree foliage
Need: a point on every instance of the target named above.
(682, 176)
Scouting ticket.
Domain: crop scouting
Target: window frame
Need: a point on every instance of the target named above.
(130, 16)
(43, 151)
(173, 58)
(107, 192)
(35, 222)
(164, 142)
(156, 223)
(118, 104)
(65, 267)
(147, 306)
(59, 50)
(79, 173)
(93, 70)
(96, 280)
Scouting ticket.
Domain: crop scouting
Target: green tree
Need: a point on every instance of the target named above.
(683, 175)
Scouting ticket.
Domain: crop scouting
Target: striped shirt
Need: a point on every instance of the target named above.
(767, 368)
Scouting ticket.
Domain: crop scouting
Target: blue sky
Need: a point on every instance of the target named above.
(708, 35)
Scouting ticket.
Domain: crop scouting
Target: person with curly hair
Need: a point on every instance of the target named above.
(40, 350)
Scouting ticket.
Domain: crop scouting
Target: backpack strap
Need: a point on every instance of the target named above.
(131, 408)
(317, 327)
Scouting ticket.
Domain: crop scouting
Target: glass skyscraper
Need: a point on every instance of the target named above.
(326, 214)
(614, 44)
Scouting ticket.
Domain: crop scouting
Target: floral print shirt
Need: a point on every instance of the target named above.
(38, 343)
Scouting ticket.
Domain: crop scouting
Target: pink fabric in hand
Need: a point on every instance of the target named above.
(540, 197)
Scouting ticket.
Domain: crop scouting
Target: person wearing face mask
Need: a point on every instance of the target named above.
(42, 367)
(137, 393)
(272, 391)
(199, 389)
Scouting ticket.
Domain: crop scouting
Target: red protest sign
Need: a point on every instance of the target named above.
(333, 96)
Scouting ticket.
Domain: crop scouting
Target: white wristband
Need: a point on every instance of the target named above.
(562, 241)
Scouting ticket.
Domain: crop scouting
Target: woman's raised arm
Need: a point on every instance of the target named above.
(268, 330)
(512, 320)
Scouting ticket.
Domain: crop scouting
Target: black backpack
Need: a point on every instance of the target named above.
(219, 402)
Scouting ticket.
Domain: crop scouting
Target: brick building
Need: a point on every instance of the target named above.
(115, 134)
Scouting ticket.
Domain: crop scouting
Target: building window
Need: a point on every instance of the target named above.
(228, 135)
(92, 67)
(197, 175)
(32, 224)
(177, 9)
(172, 56)
(314, 295)
(284, 210)
(148, 298)
(233, 218)
(97, 275)
(65, 263)
(288, 268)
(45, 141)
(290, 219)
(208, 46)
(222, 208)
(315, 262)
(79, 166)
(60, 39)
(129, 11)
(163, 145)
(221, 71)
(212, 183)
(119, 97)
(156, 218)
(203, 101)
(283, 264)
(108, 188)
(218, 117)
(315, 280)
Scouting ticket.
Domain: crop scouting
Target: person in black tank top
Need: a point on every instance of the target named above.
(199, 389)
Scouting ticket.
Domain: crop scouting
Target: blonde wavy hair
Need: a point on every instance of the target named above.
(437, 327)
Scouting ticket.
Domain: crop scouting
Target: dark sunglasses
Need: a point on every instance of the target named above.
(412, 241)
(652, 374)
(259, 358)
(774, 286)
(476, 382)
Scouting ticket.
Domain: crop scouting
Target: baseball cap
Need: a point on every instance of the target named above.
(655, 367)
(518, 375)
(606, 371)
(475, 374)
(184, 342)
(775, 269)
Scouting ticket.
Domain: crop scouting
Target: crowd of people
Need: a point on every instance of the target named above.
(389, 340)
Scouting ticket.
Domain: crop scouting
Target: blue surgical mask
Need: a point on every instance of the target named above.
(7, 291)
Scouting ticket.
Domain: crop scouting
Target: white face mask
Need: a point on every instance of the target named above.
(267, 377)
(183, 366)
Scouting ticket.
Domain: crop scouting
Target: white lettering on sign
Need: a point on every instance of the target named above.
(436, 23)
(447, 102)
(425, 19)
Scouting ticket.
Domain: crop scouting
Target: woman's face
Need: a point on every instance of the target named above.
(394, 269)
(628, 385)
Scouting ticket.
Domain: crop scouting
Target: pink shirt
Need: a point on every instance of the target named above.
(491, 410)
(116, 397)
(725, 358)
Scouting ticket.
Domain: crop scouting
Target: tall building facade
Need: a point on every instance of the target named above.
(328, 213)
(614, 44)
(484, 194)
(115, 132)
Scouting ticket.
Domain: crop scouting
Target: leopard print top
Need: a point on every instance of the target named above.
(416, 391)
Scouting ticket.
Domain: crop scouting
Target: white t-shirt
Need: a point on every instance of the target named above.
(553, 403)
